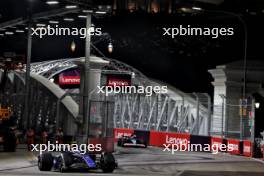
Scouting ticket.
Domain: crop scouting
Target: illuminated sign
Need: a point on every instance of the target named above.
(118, 80)
(66, 80)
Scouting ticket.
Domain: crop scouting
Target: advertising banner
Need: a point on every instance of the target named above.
(161, 138)
(118, 82)
(236, 146)
(69, 77)
(203, 140)
(216, 143)
(247, 148)
(69, 80)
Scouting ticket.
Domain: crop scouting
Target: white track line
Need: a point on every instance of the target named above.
(258, 160)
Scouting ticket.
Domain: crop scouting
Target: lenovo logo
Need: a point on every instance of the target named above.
(175, 140)
(69, 80)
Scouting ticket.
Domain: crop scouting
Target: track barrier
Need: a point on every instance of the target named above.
(158, 139)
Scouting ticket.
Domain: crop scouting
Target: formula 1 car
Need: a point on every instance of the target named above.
(75, 161)
(131, 141)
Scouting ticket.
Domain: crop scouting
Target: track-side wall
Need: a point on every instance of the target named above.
(158, 139)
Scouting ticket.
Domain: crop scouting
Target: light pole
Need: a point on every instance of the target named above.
(245, 54)
(244, 63)
(85, 84)
(86, 88)
(26, 119)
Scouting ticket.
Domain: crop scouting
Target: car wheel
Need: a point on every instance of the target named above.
(62, 168)
(146, 145)
(45, 162)
(66, 159)
(119, 143)
(107, 162)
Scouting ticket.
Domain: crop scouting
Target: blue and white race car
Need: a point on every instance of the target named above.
(131, 141)
(75, 161)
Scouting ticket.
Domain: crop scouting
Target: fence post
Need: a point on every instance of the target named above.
(197, 114)
(222, 114)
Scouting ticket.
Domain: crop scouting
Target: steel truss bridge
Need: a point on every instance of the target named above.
(51, 106)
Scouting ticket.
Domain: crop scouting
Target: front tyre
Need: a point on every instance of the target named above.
(45, 162)
(107, 162)
(62, 168)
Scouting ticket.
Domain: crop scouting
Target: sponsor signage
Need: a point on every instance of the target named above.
(235, 144)
(69, 77)
(118, 82)
(247, 148)
(69, 80)
(161, 138)
(216, 143)
(119, 132)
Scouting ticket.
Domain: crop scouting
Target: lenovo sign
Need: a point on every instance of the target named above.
(69, 80)
(235, 144)
(216, 143)
(118, 82)
(247, 148)
(161, 138)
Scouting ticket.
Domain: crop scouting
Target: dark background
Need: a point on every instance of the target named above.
(138, 41)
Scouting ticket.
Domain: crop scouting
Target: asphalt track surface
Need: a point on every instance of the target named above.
(151, 161)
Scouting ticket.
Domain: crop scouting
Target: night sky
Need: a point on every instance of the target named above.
(138, 41)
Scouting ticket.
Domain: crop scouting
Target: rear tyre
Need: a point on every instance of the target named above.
(146, 145)
(45, 162)
(119, 142)
(107, 162)
(62, 169)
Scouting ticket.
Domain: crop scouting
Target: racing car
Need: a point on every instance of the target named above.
(75, 161)
(131, 141)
